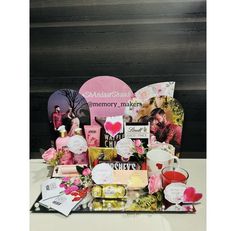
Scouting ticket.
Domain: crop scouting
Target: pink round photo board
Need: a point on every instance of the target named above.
(106, 96)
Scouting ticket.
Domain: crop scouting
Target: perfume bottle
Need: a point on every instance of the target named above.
(62, 141)
(78, 132)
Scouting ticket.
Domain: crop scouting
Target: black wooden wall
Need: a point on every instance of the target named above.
(139, 41)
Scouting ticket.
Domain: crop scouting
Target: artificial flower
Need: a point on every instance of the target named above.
(155, 183)
(137, 143)
(74, 188)
(77, 181)
(86, 172)
(63, 185)
(140, 150)
(49, 154)
(139, 147)
(71, 189)
(66, 179)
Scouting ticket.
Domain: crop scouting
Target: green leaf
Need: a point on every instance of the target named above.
(79, 169)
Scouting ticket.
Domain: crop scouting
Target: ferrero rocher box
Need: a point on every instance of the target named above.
(109, 191)
(96, 154)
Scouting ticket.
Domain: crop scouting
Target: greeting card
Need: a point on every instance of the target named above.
(63, 203)
(51, 188)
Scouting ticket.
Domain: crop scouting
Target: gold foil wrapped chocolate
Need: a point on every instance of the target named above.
(144, 203)
(109, 191)
(97, 191)
(108, 205)
(97, 153)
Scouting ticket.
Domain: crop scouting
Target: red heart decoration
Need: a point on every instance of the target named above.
(76, 199)
(159, 166)
(112, 129)
(190, 195)
(74, 194)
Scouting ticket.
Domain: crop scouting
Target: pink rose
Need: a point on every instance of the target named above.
(137, 143)
(140, 150)
(154, 184)
(86, 172)
(63, 185)
(49, 154)
(71, 189)
(77, 181)
(66, 179)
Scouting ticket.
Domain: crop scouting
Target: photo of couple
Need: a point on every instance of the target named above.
(67, 107)
(166, 121)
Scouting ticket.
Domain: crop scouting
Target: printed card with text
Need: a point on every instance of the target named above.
(51, 188)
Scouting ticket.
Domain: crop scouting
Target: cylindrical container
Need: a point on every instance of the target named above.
(173, 174)
(157, 159)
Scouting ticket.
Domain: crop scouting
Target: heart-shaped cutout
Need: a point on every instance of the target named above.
(159, 166)
(190, 195)
(113, 128)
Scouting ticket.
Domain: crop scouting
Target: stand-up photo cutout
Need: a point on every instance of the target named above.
(107, 96)
(144, 94)
(69, 108)
(155, 90)
(165, 115)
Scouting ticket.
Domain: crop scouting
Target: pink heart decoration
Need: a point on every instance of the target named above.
(190, 195)
(113, 129)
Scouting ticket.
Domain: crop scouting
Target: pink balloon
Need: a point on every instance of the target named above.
(106, 96)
